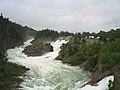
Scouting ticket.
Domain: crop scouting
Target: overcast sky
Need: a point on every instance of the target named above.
(67, 15)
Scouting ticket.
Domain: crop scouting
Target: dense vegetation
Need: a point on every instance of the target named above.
(104, 52)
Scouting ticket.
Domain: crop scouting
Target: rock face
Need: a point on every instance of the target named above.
(116, 83)
(60, 57)
(97, 76)
(38, 49)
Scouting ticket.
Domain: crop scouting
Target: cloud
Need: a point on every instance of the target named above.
(71, 15)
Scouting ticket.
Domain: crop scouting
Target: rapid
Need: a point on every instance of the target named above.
(46, 73)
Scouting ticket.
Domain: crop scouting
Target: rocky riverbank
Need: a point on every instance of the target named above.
(96, 75)
(87, 57)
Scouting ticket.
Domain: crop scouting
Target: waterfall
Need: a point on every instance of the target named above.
(46, 73)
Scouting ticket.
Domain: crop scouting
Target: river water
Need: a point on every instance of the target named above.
(46, 73)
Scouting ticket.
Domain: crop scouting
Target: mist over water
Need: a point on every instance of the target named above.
(46, 73)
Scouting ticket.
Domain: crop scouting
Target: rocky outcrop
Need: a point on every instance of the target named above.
(38, 49)
(97, 76)
(116, 83)
(60, 57)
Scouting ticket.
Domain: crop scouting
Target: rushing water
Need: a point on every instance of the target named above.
(46, 73)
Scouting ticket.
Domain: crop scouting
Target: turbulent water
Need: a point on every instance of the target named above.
(46, 73)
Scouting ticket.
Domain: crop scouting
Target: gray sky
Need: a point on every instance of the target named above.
(67, 15)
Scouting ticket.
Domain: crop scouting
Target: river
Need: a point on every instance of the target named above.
(46, 73)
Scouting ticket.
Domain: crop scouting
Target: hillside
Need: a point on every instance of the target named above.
(12, 34)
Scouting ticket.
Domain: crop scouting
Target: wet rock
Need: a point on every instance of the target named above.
(59, 57)
(99, 76)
